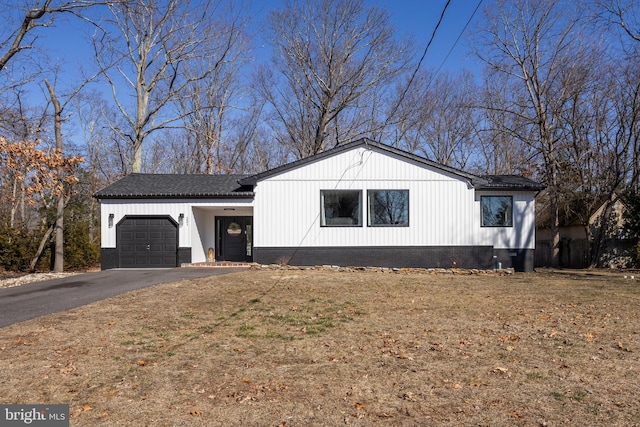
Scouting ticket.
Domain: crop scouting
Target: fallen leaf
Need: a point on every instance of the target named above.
(142, 363)
(245, 380)
(68, 369)
(408, 396)
(622, 347)
(86, 408)
(195, 412)
(500, 369)
(385, 415)
(359, 405)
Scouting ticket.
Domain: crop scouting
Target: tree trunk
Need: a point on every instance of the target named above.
(43, 242)
(136, 164)
(58, 265)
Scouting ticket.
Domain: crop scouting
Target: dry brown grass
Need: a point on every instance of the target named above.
(308, 348)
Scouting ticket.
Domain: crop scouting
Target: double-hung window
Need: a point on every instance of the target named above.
(388, 208)
(497, 211)
(341, 208)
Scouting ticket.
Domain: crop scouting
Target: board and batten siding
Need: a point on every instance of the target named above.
(522, 234)
(287, 206)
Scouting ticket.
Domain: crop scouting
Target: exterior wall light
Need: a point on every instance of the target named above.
(110, 220)
(181, 219)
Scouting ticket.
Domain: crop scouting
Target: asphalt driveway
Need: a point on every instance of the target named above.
(33, 300)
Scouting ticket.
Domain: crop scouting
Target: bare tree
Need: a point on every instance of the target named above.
(329, 55)
(63, 168)
(106, 153)
(213, 101)
(622, 13)
(154, 42)
(499, 151)
(439, 118)
(533, 45)
(21, 19)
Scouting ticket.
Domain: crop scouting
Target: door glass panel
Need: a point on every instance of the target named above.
(234, 229)
(249, 240)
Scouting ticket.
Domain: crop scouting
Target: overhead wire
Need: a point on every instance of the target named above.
(424, 54)
(459, 36)
(417, 68)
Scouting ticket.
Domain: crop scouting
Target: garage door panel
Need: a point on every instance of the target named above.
(156, 261)
(147, 242)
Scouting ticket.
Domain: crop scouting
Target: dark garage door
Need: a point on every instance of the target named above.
(147, 242)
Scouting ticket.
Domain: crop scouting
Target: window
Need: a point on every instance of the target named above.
(341, 208)
(388, 208)
(497, 211)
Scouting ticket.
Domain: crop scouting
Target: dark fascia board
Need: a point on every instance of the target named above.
(241, 195)
(474, 180)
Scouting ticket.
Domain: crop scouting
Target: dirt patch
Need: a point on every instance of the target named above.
(299, 348)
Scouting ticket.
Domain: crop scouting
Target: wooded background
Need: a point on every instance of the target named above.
(180, 87)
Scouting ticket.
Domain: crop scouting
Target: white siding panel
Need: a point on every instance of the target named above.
(287, 206)
(362, 164)
(522, 234)
(120, 209)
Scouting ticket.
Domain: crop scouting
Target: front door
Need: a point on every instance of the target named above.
(235, 235)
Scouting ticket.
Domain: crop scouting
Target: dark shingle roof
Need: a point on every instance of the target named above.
(509, 182)
(144, 186)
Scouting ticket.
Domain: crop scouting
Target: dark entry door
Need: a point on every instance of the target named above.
(145, 242)
(235, 237)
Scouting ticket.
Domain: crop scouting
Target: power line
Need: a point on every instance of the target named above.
(415, 71)
(459, 36)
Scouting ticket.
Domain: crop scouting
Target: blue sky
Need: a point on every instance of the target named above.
(66, 44)
(418, 18)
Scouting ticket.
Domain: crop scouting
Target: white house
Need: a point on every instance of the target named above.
(361, 203)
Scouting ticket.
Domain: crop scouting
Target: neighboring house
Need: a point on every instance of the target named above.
(362, 203)
(613, 246)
